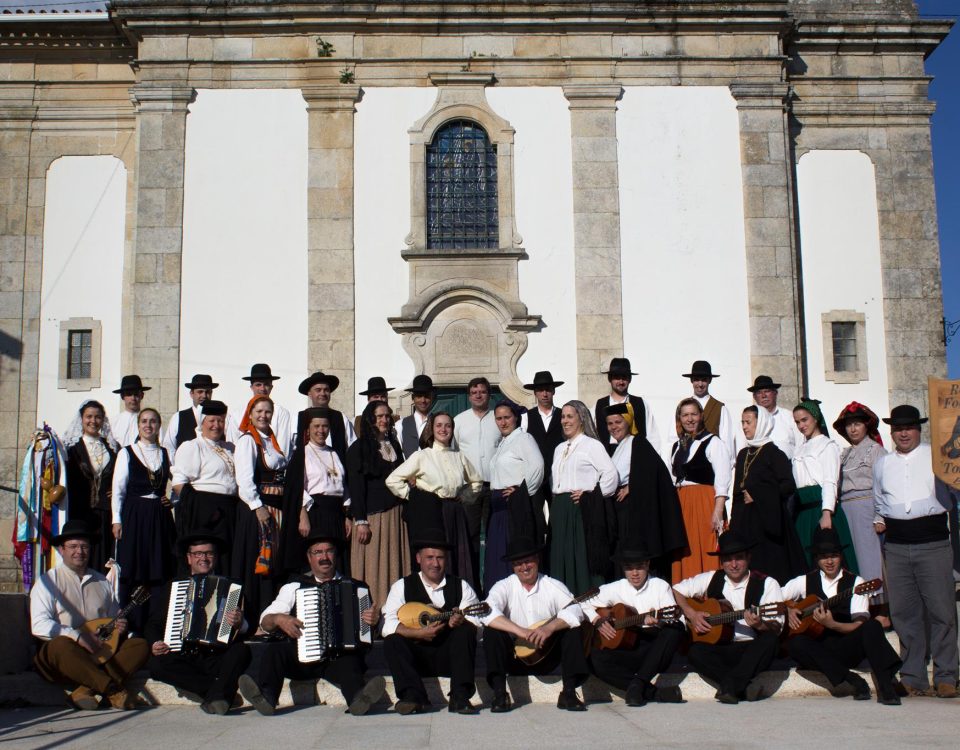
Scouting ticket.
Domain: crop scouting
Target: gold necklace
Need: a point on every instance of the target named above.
(748, 462)
(331, 469)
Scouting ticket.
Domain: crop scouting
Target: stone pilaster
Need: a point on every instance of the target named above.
(158, 240)
(772, 269)
(596, 231)
(330, 292)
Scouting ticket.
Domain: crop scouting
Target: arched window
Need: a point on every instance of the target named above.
(462, 188)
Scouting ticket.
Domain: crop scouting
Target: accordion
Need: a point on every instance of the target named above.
(195, 614)
(331, 616)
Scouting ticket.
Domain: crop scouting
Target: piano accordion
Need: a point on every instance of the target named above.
(331, 616)
(195, 614)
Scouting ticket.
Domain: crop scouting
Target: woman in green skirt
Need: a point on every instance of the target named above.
(816, 471)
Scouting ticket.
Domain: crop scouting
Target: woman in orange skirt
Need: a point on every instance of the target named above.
(702, 471)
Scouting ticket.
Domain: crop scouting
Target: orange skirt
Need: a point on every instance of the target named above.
(696, 504)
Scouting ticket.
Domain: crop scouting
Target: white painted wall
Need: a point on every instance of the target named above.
(244, 294)
(82, 274)
(840, 249)
(682, 239)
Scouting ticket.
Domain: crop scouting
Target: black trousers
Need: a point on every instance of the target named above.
(650, 656)
(451, 654)
(211, 673)
(835, 653)
(568, 653)
(478, 516)
(280, 661)
(734, 664)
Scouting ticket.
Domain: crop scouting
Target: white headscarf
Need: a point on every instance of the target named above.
(74, 432)
(764, 431)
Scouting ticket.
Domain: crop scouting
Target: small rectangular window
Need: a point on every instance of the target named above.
(79, 354)
(844, 346)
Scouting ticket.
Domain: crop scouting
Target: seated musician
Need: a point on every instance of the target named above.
(632, 668)
(734, 665)
(439, 649)
(60, 603)
(519, 602)
(205, 673)
(280, 658)
(849, 634)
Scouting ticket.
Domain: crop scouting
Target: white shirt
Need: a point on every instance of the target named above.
(124, 427)
(654, 594)
(97, 451)
(734, 593)
(477, 437)
(420, 421)
(653, 434)
(545, 417)
(245, 458)
(442, 471)
(548, 597)
(727, 430)
(580, 463)
(207, 466)
(287, 599)
(323, 474)
(796, 588)
(817, 462)
(231, 430)
(61, 601)
(150, 455)
(719, 460)
(621, 459)
(396, 599)
(517, 459)
(904, 486)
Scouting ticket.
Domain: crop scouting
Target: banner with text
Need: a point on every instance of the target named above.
(945, 430)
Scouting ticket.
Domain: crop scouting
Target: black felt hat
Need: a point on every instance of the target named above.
(421, 384)
(185, 542)
(633, 553)
(904, 415)
(701, 369)
(319, 377)
(432, 538)
(825, 541)
(213, 409)
(762, 383)
(520, 547)
(375, 384)
(131, 383)
(201, 381)
(315, 537)
(619, 367)
(74, 529)
(730, 543)
(261, 373)
(543, 379)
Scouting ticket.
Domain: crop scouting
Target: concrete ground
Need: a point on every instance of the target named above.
(779, 722)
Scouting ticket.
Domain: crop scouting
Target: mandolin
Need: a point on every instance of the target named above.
(417, 615)
(810, 604)
(625, 620)
(530, 654)
(104, 629)
(722, 617)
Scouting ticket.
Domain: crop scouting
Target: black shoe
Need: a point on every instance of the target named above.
(730, 699)
(669, 694)
(251, 691)
(462, 706)
(754, 691)
(501, 704)
(887, 693)
(861, 690)
(407, 707)
(568, 700)
(218, 707)
(368, 695)
(634, 696)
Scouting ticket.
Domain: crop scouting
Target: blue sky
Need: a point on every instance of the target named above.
(944, 66)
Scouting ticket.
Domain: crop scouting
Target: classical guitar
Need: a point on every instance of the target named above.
(416, 615)
(104, 629)
(626, 620)
(810, 604)
(721, 616)
(530, 654)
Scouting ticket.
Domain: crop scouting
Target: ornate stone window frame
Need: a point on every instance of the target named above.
(96, 341)
(846, 377)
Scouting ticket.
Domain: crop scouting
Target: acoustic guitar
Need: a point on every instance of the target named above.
(722, 617)
(626, 621)
(810, 604)
(530, 654)
(104, 629)
(417, 615)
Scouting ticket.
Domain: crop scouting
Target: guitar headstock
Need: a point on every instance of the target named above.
(586, 595)
(140, 595)
(771, 610)
(868, 586)
(669, 614)
(480, 609)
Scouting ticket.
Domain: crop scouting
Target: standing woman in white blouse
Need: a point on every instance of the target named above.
(432, 481)
(260, 463)
(90, 455)
(816, 471)
(583, 523)
(142, 519)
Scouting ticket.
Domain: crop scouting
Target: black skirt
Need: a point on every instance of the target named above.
(211, 513)
(146, 551)
(327, 517)
(258, 590)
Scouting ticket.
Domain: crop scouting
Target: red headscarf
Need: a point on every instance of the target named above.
(247, 426)
(855, 410)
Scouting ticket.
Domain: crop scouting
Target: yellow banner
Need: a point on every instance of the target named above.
(945, 429)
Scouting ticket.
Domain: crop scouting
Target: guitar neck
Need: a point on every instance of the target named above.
(829, 602)
(725, 618)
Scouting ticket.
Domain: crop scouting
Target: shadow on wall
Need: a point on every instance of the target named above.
(10, 347)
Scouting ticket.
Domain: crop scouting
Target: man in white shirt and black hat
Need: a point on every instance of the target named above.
(786, 436)
(620, 376)
(124, 426)
(411, 428)
(319, 387)
(261, 379)
(716, 415)
(543, 423)
(182, 426)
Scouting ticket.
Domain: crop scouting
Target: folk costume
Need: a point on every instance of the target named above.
(477, 437)
(716, 416)
(544, 427)
(341, 434)
(183, 425)
(785, 434)
(642, 414)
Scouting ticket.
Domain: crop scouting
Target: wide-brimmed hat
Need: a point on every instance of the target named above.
(131, 383)
(315, 537)
(319, 377)
(376, 384)
(825, 541)
(213, 409)
(631, 553)
(731, 542)
(74, 529)
(432, 538)
(521, 547)
(619, 366)
(421, 384)
(261, 373)
(700, 369)
(185, 542)
(762, 383)
(201, 381)
(904, 415)
(856, 412)
(543, 379)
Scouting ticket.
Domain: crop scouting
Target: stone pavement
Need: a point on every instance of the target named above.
(780, 723)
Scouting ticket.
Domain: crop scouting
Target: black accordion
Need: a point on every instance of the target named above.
(331, 616)
(195, 614)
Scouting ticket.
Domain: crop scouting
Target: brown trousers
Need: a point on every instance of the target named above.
(64, 661)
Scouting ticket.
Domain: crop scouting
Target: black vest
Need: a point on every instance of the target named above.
(547, 439)
(600, 414)
(698, 469)
(840, 610)
(752, 595)
(186, 426)
(338, 434)
(261, 475)
(138, 479)
(409, 439)
(415, 591)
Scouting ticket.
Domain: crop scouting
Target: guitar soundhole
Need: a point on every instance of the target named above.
(424, 619)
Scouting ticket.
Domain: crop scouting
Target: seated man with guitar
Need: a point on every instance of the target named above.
(830, 626)
(203, 671)
(286, 658)
(736, 624)
(638, 628)
(96, 660)
(544, 618)
(426, 641)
